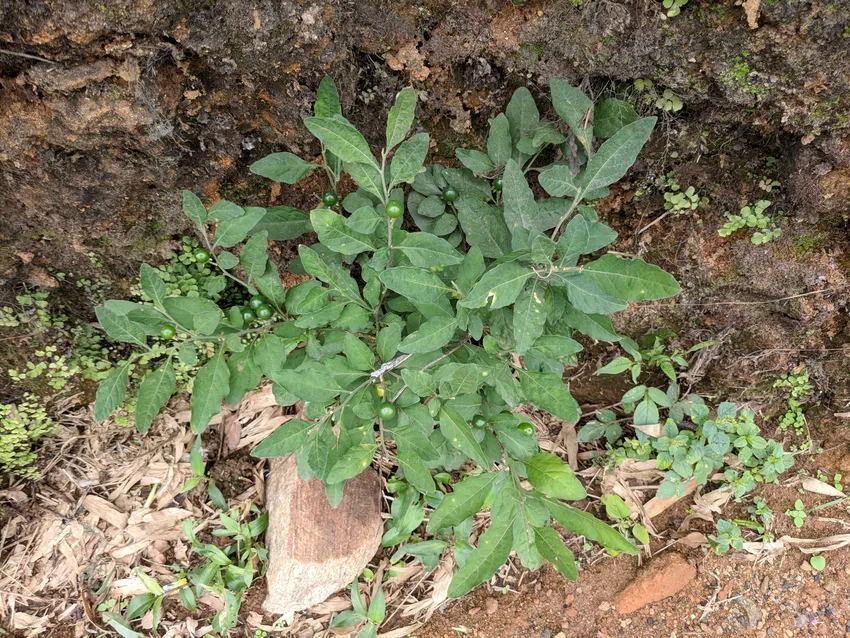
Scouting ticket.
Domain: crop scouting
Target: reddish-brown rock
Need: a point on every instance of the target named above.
(663, 577)
(316, 550)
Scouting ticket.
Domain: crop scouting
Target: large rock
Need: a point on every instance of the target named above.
(314, 549)
(663, 577)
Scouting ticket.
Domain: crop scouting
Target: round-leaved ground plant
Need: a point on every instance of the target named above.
(464, 307)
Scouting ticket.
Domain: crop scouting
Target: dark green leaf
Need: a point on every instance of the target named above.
(232, 231)
(212, 384)
(548, 392)
(152, 284)
(270, 285)
(610, 115)
(245, 375)
(631, 279)
(254, 256)
(342, 139)
(194, 209)
(557, 180)
(518, 200)
(334, 234)
(327, 99)
(416, 473)
(552, 548)
(119, 327)
(337, 277)
(111, 392)
(522, 114)
(154, 392)
(590, 527)
(476, 161)
(466, 499)
(224, 210)
(494, 547)
(483, 226)
(426, 250)
(432, 335)
(286, 439)
(575, 108)
(586, 296)
(529, 315)
(401, 116)
(282, 167)
(388, 340)
(418, 285)
(408, 159)
(194, 313)
(356, 459)
(283, 223)
(458, 432)
(616, 155)
(499, 286)
(359, 355)
(499, 144)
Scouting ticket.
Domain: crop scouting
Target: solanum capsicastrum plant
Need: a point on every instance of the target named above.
(441, 301)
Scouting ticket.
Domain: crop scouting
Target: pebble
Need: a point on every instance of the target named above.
(491, 606)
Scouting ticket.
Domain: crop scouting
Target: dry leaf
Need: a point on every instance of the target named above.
(819, 487)
(656, 505)
(105, 510)
(693, 540)
(653, 429)
(752, 8)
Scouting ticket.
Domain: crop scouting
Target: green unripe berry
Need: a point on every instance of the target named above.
(386, 410)
(257, 301)
(394, 209)
(497, 184)
(329, 198)
(449, 194)
(248, 315)
(478, 421)
(264, 312)
(201, 256)
(526, 428)
(167, 332)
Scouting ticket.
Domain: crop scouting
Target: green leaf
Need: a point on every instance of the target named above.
(154, 392)
(586, 296)
(500, 286)
(575, 108)
(355, 459)
(610, 115)
(518, 200)
(426, 250)
(594, 326)
(552, 548)
(120, 328)
(548, 392)
(269, 354)
(646, 413)
(152, 284)
(286, 439)
(557, 180)
(232, 231)
(283, 223)
(121, 626)
(470, 269)
(416, 473)
(418, 285)
(529, 315)
(551, 476)
(367, 177)
(494, 547)
(111, 392)
(499, 144)
(401, 116)
(432, 335)
(631, 279)
(590, 527)
(420, 382)
(271, 286)
(227, 260)
(464, 181)
(309, 382)
(224, 210)
(245, 375)
(254, 256)
(616, 155)
(522, 114)
(516, 443)
(408, 159)
(282, 167)
(377, 608)
(432, 206)
(194, 313)
(466, 499)
(359, 355)
(554, 347)
(364, 220)
(341, 139)
(337, 277)
(334, 234)
(194, 209)
(457, 432)
(476, 161)
(212, 384)
(187, 354)
(388, 340)
(483, 226)
(327, 99)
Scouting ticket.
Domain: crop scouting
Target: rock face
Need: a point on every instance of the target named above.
(316, 550)
(663, 577)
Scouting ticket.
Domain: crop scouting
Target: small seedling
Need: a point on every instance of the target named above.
(752, 216)
(817, 562)
(798, 514)
(728, 537)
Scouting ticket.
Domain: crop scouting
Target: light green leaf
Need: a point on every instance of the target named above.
(154, 392)
(476, 161)
(408, 159)
(458, 433)
(631, 279)
(367, 177)
(548, 392)
(616, 155)
(224, 210)
(432, 335)
(500, 286)
(111, 392)
(152, 284)
(355, 459)
(499, 144)
(585, 295)
(359, 355)
(337, 277)
(551, 476)
(594, 326)
(554, 347)
(193, 313)
(420, 382)
(287, 438)
(418, 285)
(552, 548)
(327, 99)
(120, 328)
(194, 209)
(401, 116)
(483, 226)
(416, 473)
(283, 223)
(516, 442)
(494, 547)
(334, 234)
(227, 260)
(212, 384)
(282, 167)
(590, 527)
(646, 413)
(466, 499)
(364, 220)
(232, 231)
(254, 256)
(575, 108)
(426, 250)
(529, 315)
(309, 383)
(432, 206)
(341, 139)
(610, 115)
(187, 354)
(518, 200)
(557, 180)
(388, 340)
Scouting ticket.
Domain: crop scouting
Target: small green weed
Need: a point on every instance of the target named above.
(798, 514)
(22, 425)
(728, 537)
(752, 216)
(801, 389)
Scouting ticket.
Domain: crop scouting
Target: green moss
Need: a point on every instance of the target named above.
(805, 246)
(22, 425)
